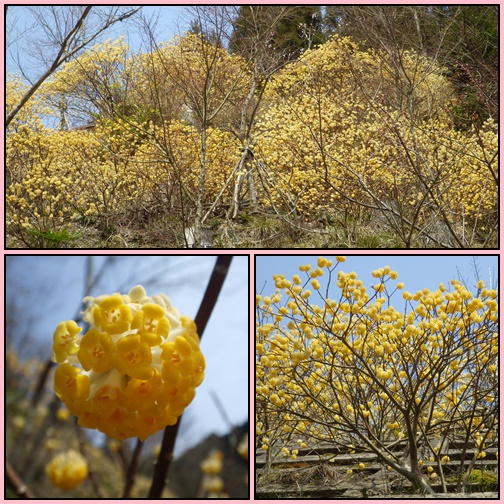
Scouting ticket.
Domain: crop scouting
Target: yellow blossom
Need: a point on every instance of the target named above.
(213, 484)
(133, 358)
(96, 350)
(67, 470)
(135, 370)
(65, 337)
(212, 464)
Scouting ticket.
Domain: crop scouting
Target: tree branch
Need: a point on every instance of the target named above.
(65, 54)
(212, 292)
(13, 481)
(132, 468)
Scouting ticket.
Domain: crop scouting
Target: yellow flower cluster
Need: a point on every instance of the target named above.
(292, 454)
(136, 368)
(358, 364)
(211, 466)
(328, 140)
(67, 470)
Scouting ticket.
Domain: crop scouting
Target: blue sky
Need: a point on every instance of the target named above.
(171, 20)
(415, 271)
(49, 290)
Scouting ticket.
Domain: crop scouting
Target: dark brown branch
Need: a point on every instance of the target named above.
(212, 292)
(132, 468)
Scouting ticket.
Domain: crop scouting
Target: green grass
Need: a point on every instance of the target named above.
(487, 481)
(54, 239)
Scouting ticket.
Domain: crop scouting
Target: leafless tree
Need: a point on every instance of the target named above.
(58, 34)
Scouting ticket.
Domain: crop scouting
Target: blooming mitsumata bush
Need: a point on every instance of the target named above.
(134, 371)
(67, 470)
(355, 370)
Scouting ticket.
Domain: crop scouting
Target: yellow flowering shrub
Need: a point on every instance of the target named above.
(341, 130)
(354, 368)
(92, 74)
(67, 470)
(61, 176)
(136, 368)
(333, 135)
(184, 65)
(42, 187)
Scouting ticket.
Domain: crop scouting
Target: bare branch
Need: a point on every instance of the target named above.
(68, 48)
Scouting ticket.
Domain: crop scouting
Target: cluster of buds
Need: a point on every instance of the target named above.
(242, 448)
(211, 466)
(136, 368)
(67, 470)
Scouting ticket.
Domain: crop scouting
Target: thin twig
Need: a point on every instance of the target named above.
(233, 434)
(81, 438)
(130, 475)
(221, 409)
(170, 433)
(89, 282)
(13, 481)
